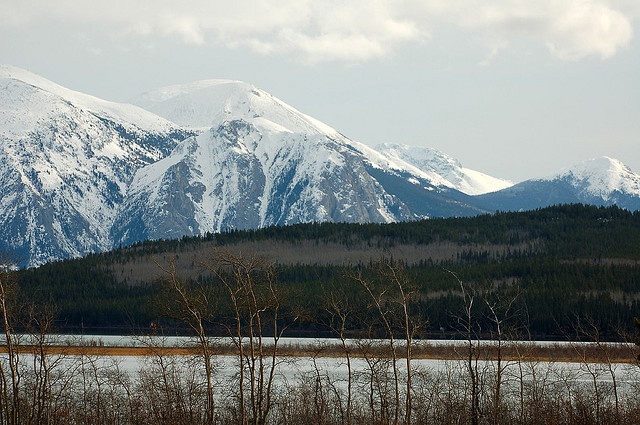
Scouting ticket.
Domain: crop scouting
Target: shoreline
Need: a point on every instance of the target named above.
(527, 352)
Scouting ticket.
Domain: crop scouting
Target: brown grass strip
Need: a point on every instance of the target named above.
(509, 353)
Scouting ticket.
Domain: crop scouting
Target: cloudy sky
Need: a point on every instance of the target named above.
(513, 88)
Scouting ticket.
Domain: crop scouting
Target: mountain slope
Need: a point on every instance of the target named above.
(241, 176)
(601, 181)
(264, 163)
(66, 160)
(443, 169)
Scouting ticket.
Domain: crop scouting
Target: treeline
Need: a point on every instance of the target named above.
(567, 230)
(557, 264)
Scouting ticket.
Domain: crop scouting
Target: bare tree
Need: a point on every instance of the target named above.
(256, 301)
(39, 325)
(11, 384)
(193, 308)
(392, 299)
(339, 315)
(595, 363)
(467, 321)
(500, 313)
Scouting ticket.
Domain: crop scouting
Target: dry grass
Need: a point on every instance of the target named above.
(576, 353)
(189, 260)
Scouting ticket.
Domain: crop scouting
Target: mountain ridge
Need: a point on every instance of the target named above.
(229, 100)
(65, 165)
(599, 181)
(79, 174)
(444, 167)
(206, 103)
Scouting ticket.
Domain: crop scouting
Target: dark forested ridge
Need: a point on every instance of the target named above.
(562, 269)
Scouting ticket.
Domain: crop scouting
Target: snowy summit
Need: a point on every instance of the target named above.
(601, 177)
(204, 104)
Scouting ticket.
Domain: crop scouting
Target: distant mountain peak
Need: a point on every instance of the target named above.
(601, 181)
(601, 177)
(443, 169)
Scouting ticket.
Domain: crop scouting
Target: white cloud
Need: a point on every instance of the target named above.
(346, 30)
(571, 29)
(188, 29)
(333, 46)
(589, 28)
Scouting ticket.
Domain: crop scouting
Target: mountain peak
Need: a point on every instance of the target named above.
(601, 177)
(204, 104)
(66, 161)
(600, 181)
(27, 77)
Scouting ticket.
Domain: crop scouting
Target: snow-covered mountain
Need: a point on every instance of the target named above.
(264, 163)
(600, 181)
(443, 169)
(79, 174)
(66, 161)
(203, 104)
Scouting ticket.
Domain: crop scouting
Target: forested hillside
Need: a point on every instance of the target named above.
(560, 272)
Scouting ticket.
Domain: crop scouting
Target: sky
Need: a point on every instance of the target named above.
(513, 88)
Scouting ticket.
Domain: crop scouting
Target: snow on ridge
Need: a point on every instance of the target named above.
(443, 169)
(169, 92)
(478, 183)
(119, 111)
(208, 103)
(602, 176)
(384, 160)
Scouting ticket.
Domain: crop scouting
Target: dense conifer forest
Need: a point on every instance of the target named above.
(551, 273)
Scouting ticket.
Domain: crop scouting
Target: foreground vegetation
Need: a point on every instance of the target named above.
(357, 386)
(376, 312)
(560, 264)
